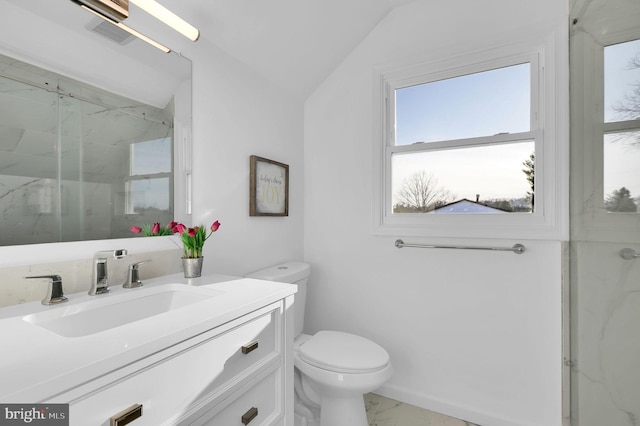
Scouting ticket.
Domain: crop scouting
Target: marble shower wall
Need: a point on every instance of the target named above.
(28, 208)
(606, 335)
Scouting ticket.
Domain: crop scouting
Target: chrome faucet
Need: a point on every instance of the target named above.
(100, 279)
(55, 294)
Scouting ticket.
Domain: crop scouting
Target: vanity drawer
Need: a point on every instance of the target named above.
(258, 403)
(195, 371)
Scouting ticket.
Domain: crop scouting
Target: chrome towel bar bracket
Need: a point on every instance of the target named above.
(628, 254)
(517, 248)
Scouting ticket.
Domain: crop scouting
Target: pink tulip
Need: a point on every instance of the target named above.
(155, 229)
(178, 228)
(192, 231)
(135, 229)
(215, 226)
(172, 225)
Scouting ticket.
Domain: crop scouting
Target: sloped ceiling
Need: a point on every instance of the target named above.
(293, 43)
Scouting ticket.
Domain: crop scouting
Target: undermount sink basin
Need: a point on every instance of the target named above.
(113, 311)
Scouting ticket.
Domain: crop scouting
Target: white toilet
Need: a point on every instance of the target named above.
(333, 369)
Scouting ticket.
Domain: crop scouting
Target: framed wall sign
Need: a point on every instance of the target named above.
(268, 187)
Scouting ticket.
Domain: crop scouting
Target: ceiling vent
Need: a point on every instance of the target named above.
(110, 31)
(116, 10)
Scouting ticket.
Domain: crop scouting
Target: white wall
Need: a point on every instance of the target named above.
(473, 334)
(236, 114)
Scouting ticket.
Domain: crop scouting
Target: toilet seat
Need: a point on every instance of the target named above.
(343, 353)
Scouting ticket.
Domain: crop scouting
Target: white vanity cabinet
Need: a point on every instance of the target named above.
(237, 373)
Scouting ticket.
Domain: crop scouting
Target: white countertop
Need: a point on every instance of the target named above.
(36, 363)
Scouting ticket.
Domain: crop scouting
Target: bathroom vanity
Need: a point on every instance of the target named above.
(204, 351)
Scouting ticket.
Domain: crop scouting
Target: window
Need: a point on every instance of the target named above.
(605, 133)
(148, 188)
(462, 148)
(460, 144)
(621, 138)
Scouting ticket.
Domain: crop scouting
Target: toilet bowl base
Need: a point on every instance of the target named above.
(343, 411)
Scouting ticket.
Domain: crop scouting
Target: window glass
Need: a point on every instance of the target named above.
(622, 81)
(622, 172)
(621, 136)
(148, 196)
(479, 104)
(476, 179)
(464, 144)
(149, 157)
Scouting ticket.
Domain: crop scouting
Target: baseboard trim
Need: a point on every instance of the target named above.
(448, 408)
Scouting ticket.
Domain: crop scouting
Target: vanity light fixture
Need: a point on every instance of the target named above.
(168, 17)
(129, 30)
(116, 10)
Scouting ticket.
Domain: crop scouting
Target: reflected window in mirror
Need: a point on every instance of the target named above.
(148, 187)
(621, 139)
(79, 163)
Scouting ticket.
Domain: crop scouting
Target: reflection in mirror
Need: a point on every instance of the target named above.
(77, 162)
(606, 45)
(621, 115)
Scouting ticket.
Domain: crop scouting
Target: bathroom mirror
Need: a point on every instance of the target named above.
(85, 152)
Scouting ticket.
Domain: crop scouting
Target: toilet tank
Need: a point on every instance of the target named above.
(292, 273)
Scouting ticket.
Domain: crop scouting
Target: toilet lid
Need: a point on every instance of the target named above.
(343, 352)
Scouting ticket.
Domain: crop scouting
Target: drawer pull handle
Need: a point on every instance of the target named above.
(126, 416)
(249, 415)
(250, 347)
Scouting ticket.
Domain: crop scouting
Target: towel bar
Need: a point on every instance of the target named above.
(517, 248)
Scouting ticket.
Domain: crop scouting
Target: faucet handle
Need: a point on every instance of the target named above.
(132, 277)
(55, 294)
(110, 254)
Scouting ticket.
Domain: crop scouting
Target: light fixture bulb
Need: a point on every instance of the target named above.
(168, 17)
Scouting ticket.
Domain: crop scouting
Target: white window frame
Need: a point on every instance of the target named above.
(549, 130)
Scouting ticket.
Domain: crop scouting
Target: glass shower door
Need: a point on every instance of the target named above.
(28, 164)
(78, 163)
(605, 219)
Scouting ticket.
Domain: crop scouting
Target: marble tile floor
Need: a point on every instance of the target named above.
(383, 411)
